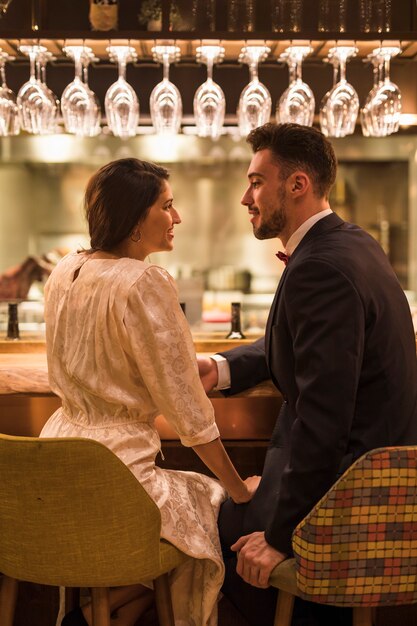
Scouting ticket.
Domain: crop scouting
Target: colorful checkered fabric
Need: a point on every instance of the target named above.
(358, 546)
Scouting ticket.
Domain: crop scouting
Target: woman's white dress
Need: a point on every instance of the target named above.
(120, 353)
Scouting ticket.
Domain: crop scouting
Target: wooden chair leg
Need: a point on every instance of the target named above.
(362, 616)
(285, 606)
(163, 601)
(8, 597)
(72, 598)
(101, 606)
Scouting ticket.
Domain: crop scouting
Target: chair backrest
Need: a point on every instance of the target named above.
(72, 514)
(358, 546)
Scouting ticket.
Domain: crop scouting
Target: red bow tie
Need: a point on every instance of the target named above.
(283, 257)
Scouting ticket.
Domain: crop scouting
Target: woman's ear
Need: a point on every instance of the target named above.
(136, 235)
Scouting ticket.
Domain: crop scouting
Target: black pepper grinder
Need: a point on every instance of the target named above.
(13, 322)
(236, 329)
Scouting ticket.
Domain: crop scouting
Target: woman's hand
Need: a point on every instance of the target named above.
(215, 457)
(250, 485)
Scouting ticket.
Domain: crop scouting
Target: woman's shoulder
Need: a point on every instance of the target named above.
(158, 272)
(69, 262)
(154, 277)
(71, 257)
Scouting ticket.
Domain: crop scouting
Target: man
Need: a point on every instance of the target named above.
(339, 345)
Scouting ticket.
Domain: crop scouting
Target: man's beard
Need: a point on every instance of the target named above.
(276, 222)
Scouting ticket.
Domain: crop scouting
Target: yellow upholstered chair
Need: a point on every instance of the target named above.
(72, 514)
(358, 546)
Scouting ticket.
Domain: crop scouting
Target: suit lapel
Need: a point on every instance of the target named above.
(272, 314)
(321, 227)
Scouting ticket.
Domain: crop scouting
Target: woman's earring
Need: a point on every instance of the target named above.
(138, 239)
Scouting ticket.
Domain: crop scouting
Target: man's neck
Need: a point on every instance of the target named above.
(298, 214)
(297, 235)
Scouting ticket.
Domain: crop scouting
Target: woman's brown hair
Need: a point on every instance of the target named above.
(118, 197)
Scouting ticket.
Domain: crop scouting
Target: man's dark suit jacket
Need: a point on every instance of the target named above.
(340, 347)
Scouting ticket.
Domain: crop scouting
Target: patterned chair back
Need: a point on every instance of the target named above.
(358, 546)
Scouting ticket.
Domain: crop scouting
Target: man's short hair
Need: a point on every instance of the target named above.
(297, 147)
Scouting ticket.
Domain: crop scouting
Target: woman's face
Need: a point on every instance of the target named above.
(157, 229)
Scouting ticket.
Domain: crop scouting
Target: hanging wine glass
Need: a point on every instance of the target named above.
(365, 115)
(86, 60)
(255, 103)
(323, 105)
(297, 103)
(79, 106)
(341, 103)
(41, 62)
(385, 104)
(165, 101)
(38, 106)
(209, 100)
(9, 112)
(121, 102)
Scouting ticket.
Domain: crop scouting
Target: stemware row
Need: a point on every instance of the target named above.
(35, 109)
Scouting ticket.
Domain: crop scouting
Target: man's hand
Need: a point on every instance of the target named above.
(207, 368)
(256, 559)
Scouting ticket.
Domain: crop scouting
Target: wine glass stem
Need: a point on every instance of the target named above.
(122, 67)
(3, 73)
(32, 59)
(38, 66)
(381, 71)
(78, 66)
(335, 72)
(253, 68)
(210, 68)
(342, 69)
(166, 66)
(387, 68)
(376, 74)
(298, 74)
(292, 67)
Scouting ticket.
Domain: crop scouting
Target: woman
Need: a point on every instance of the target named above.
(119, 353)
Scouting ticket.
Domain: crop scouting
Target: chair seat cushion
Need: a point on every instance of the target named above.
(284, 577)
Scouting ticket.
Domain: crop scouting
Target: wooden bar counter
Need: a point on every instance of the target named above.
(26, 400)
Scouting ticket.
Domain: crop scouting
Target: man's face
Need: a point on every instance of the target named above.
(265, 196)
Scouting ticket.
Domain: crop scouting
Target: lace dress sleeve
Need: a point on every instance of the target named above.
(163, 351)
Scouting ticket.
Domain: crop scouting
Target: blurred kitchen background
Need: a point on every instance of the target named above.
(216, 258)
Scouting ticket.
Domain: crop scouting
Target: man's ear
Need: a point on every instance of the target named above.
(299, 182)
